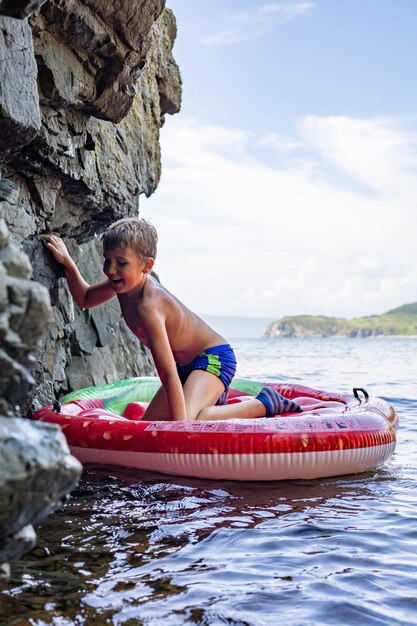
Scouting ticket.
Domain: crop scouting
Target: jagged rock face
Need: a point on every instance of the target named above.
(20, 119)
(80, 172)
(107, 44)
(19, 8)
(85, 86)
(25, 313)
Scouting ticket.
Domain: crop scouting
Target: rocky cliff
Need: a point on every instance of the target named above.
(85, 86)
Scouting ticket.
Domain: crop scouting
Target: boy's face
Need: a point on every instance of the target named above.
(125, 270)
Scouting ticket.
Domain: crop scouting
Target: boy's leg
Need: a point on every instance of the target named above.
(201, 390)
(158, 408)
(267, 403)
(249, 409)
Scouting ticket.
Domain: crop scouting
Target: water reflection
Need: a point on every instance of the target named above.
(137, 548)
(127, 545)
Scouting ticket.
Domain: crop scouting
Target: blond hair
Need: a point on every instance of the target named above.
(132, 232)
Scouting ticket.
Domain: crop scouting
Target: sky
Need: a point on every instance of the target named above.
(289, 177)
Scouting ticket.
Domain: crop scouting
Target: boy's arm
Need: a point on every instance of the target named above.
(155, 330)
(85, 295)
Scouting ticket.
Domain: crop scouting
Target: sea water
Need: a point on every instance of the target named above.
(135, 548)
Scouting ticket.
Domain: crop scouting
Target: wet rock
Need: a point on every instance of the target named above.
(36, 471)
(16, 544)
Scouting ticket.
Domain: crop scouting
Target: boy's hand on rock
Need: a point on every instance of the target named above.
(58, 248)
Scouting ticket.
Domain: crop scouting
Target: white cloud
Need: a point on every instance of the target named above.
(286, 10)
(377, 152)
(351, 296)
(251, 25)
(331, 230)
(278, 143)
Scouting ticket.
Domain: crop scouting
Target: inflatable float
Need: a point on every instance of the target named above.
(335, 434)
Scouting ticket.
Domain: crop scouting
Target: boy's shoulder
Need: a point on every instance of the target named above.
(155, 294)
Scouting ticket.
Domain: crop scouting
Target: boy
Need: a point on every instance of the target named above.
(195, 364)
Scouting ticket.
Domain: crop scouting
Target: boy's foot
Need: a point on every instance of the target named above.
(275, 403)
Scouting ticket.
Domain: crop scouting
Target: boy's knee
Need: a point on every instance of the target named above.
(204, 414)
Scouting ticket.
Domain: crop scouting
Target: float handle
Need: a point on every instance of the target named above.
(356, 391)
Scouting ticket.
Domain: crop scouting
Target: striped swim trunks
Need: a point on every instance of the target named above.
(219, 360)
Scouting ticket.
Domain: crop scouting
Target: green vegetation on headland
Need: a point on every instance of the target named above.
(397, 322)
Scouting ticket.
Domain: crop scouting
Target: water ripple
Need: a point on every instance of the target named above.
(132, 548)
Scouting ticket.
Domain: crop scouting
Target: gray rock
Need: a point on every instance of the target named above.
(30, 310)
(19, 8)
(92, 370)
(105, 320)
(67, 77)
(4, 233)
(16, 544)
(16, 263)
(167, 74)
(8, 191)
(21, 219)
(45, 395)
(4, 326)
(3, 288)
(76, 174)
(20, 119)
(16, 381)
(83, 338)
(36, 471)
(111, 43)
(4, 571)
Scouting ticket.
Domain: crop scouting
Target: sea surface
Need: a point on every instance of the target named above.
(135, 548)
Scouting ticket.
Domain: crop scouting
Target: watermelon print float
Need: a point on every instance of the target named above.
(335, 434)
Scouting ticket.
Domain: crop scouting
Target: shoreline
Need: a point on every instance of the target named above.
(339, 337)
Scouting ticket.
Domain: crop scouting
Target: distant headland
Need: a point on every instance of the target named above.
(401, 321)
